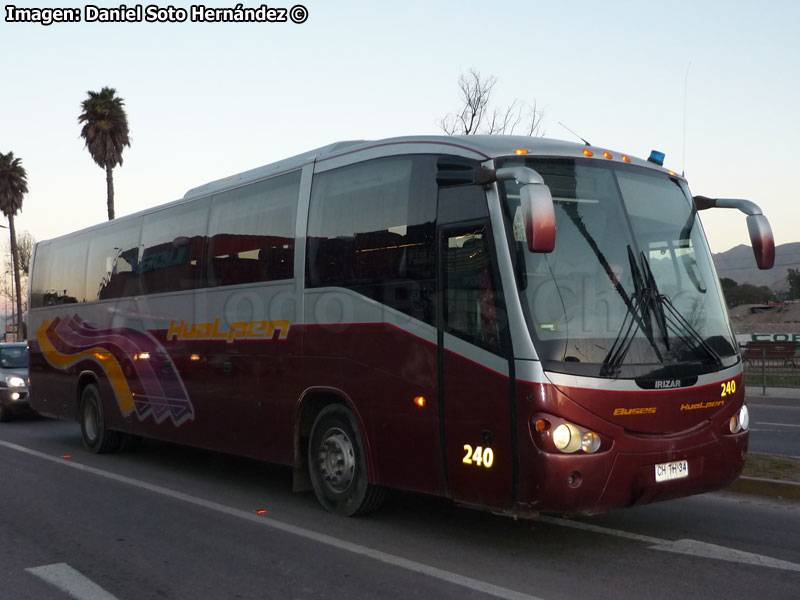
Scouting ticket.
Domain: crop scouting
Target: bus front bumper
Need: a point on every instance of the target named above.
(591, 484)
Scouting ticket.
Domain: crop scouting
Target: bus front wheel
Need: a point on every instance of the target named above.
(95, 436)
(337, 464)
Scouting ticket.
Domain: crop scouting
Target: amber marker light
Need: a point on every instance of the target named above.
(420, 401)
(608, 155)
(194, 357)
(521, 151)
(626, 158)
(542, 425)
(587, 152)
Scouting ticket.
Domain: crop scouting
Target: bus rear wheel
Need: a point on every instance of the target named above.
(337, 464)
(95, 436)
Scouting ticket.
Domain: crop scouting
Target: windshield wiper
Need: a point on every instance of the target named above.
(637, 317)
(672, 319)
(656, 299)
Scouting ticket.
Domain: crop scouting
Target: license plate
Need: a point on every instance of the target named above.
(672, 470)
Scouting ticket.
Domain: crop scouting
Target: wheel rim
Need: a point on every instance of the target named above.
(91, 420)
(337, 461)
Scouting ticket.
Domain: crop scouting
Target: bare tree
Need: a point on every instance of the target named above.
(25, 244)
(477, 115)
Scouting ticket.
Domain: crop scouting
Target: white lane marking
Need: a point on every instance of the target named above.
(778, 424)
(71, 582)
(697, 548)
(685, 546)
(384, 557)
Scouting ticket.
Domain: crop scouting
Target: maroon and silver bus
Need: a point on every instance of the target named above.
(515, 323)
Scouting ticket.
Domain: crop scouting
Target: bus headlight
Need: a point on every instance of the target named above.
(740, 421)
(569, 438)
(590, 442)
(744, 417)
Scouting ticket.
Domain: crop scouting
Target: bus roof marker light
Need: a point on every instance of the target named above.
(607, 154)
(587, 152)
(521, 151)
(626, 158)
(656, 157)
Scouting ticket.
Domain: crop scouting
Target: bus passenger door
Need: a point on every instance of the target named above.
(474, 353)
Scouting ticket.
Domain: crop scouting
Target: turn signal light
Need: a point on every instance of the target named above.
(420, 401)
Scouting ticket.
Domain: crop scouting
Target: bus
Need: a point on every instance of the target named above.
(515, 323)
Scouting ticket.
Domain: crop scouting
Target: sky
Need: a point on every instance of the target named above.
(712, 84)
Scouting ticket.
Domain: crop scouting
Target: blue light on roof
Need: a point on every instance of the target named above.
(657, 157)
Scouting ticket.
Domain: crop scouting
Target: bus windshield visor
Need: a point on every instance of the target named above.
(629, 290)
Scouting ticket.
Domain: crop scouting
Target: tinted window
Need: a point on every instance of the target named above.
(39, 274)
(60, 272)
(112, 265)
(371, 229)
(172, 243)
(473, 303)
(251, 232)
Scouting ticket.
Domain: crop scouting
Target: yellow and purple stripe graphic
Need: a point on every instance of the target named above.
(142, 375)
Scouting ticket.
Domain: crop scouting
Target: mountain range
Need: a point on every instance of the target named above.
(739, 264)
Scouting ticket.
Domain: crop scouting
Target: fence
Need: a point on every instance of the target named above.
(771, 364)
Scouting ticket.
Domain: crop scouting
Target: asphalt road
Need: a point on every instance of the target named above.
(166, 522)
(775, 428)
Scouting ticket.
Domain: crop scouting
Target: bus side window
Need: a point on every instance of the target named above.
(64, 280)
(251, 232)
(473, 303)
(112, 263)
(172, 243)
(371, 230)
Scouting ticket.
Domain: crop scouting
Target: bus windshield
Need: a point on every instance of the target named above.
(629, 290)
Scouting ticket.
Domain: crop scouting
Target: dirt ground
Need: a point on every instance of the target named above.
(757, 318)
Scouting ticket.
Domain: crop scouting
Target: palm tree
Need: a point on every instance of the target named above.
(105, 130)
(13, 186)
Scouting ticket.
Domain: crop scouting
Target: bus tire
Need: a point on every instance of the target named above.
(96, 438)
(337, 465)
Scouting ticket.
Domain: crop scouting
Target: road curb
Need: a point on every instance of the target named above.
(765, 487)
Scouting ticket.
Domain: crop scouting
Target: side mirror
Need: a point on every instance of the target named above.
(761, 238)
(762, 241)
(537, 207)
(540, 217)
